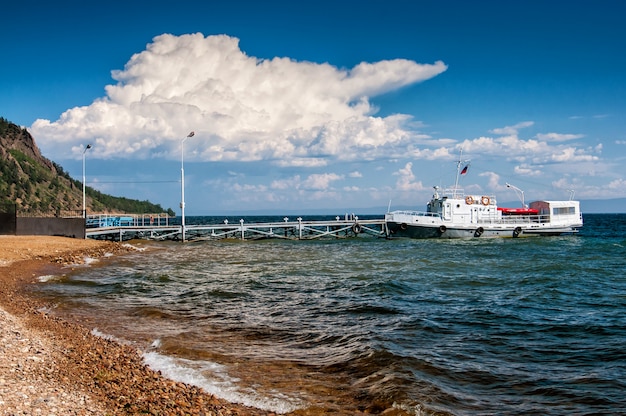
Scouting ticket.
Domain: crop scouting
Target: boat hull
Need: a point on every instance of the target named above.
(404, 230)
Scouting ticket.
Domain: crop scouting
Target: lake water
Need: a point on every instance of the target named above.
(467, 327)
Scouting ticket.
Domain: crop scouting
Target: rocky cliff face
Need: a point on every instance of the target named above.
(16, 138)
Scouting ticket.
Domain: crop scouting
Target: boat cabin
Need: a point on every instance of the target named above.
(558, 211)
(455, 206)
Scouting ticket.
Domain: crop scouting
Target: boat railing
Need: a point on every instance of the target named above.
(459, 193)
(523, 219)
(453, 192)
(417, 213)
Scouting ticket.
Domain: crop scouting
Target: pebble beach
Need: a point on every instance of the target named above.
(49, 366)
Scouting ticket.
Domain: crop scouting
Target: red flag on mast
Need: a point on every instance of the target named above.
(464, 171)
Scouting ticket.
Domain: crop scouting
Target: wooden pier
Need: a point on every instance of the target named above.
(123, 228)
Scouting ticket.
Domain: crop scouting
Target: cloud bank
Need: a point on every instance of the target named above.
(307, 117)
(241, 107)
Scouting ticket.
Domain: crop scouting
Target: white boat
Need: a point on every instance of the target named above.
(453, 214)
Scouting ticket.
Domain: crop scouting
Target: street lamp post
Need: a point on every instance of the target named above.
(182, 184)
(84, 205)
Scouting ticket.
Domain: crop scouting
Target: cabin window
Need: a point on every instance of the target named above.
(563, 211)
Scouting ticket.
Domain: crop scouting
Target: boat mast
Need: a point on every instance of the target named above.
(458, 172)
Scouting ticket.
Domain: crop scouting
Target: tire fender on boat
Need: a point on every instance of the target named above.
(469, 200)
(442, 229)
(403, 226)
(485, 200)
(356, 228)
(517, 231)
(479, 231)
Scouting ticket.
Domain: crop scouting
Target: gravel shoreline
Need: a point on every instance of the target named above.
(49, 366)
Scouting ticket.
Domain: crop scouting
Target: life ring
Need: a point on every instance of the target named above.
(356, 228)
(517, 231)
(403, 226)
(469, 200)
(485, 200)
(479, 231)
(442, 229)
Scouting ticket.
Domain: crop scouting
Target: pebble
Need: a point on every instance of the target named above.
(24, 387)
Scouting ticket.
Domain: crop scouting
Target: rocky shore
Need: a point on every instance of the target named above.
(49, 366)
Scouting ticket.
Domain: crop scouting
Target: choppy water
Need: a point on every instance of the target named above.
(471, 327)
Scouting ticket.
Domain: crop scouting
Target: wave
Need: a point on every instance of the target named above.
(214, 379)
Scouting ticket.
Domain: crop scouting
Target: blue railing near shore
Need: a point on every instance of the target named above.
(135, 220)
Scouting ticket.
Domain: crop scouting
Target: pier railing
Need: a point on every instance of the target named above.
(128, 227)
(127, 220)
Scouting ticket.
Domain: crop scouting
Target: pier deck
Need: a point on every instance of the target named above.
(159, 229)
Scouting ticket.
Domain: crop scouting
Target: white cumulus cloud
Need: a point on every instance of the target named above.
(406, 179)
(544, 148)
(321, 181)
(240, 107)
(512, 130)
(558, 137)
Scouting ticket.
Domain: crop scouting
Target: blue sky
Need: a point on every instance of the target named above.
(300, 106)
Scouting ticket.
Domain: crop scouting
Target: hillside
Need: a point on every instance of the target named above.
(35, 185)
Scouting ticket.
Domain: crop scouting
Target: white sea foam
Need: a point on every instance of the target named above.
(214, 379)
(87, 262)
(130, 246)
(90, 260)
(96, 332)
(47, 310)
(49, 278)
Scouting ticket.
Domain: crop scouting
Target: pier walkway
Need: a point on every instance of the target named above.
(127, 227)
